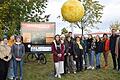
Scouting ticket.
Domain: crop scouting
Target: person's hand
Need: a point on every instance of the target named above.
(69, 54)
(65, 54)
(76, 56)
(59, 55)
(18, 59)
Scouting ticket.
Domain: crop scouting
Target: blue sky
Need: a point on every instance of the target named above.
(111, 14)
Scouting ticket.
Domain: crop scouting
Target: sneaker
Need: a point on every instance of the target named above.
(93, 68)
(16, 78)
(89, 67)
(56, 75)
(106, 67)
(85, 68)
(68, 72)
(11, 78)
(21, 78)
(59, 76)
(74, 72)
(97, 67)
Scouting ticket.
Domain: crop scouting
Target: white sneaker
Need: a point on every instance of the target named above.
(68, 72)
(74, 72)
(59, 76)
(11, 78)
(56, 75)
(89, 67)
(93, 68)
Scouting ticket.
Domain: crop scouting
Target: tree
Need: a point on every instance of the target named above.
(115, 25)
(13, 12)
(93, 14)
(64, 31)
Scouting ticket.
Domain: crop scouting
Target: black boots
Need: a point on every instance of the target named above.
(98, 67)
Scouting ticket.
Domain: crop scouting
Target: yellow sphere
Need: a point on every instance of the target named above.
(72, 10)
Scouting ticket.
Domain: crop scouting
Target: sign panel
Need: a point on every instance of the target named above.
(38, 33)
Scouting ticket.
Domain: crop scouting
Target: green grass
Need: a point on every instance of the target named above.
(34, 71)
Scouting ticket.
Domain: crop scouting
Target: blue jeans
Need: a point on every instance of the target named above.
(16, 64)
(98, 59)
(85, 58)
(10, 70)
(91, 57)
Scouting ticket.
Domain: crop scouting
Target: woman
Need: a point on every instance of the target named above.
(78, 51)
(106, 49)
(91, 51)
(5, 56)
(58, 56)
(84, 42)
(69, 55)
(18, 51)
(62, 38)
(98, 50)
(10, 70)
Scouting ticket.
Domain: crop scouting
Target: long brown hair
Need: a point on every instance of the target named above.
(57, 42)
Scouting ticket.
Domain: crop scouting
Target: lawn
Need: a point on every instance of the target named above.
(34, 71)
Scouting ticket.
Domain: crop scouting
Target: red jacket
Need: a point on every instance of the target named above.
(55, 54)
(107, 45)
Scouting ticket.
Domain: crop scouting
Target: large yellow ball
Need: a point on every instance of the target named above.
(72, 11)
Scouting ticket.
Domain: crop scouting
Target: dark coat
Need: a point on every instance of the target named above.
(99, 47)
(77, 51)
(69, 47)
(113, 42)
(89, 43)
(55, 52)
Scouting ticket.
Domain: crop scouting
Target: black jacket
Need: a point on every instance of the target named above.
(99, 47)
(113, 42)
(77, 50)
(69, 47)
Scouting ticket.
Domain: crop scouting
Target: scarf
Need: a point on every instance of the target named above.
(57, 46)
(5, 52)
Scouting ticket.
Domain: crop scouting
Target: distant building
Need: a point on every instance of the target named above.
(94, 34)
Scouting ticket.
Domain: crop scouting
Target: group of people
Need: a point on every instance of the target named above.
(11, 56)
(71, 55)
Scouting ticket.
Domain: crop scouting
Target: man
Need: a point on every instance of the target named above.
(117, 51)
(70, 34)
(113, 38)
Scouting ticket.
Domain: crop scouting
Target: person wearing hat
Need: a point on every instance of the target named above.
(5, 56)
(18, 51)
